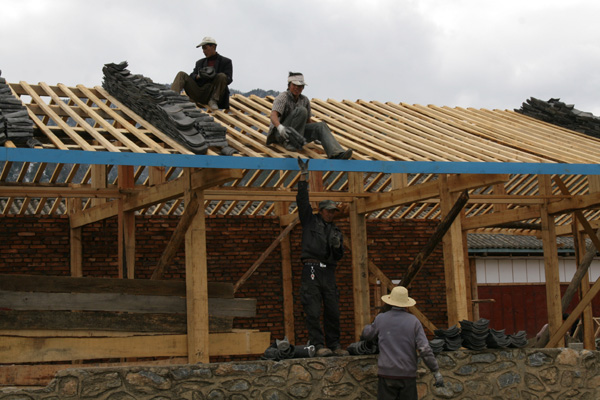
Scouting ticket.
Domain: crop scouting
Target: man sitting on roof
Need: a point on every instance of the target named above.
(291, 109)
(208, 83)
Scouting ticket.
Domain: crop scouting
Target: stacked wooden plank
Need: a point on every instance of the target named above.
(38, 308)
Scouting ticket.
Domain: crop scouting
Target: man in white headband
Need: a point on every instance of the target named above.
(291, 109)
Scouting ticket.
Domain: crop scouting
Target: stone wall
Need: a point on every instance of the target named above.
(490, 374)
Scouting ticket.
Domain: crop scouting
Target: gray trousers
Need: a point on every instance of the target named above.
(200, 94)
(313, 131)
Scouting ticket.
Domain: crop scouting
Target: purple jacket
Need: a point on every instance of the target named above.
(400, 336)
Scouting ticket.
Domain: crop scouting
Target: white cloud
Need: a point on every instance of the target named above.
(467, 53)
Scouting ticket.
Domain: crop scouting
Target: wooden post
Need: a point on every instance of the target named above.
(468, 278)
(126, 227)
(75, 243)
(286, 276)
(474, 291)
(196, 281)
(589, 341)
(156, 175)
(553, 297)
(360, 267)
(99, 178)
(454, 259)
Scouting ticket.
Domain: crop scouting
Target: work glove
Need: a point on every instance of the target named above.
(207, 72)
(336, 241)
(439, 379)
(283, 135)
(303, 166)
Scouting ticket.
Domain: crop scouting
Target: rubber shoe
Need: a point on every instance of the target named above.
(323, 352)
(345, 155)
(339, 352)
(213, 105)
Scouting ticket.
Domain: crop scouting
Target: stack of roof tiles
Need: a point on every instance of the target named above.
(475, 336)
(15, 123)
(446, 339)
(283, 350)
(363, 347)
(558, 113)
(168, 111)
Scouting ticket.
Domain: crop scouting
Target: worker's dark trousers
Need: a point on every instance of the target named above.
(322, 290)
(313, 131)
(394, 389)
(200, 94)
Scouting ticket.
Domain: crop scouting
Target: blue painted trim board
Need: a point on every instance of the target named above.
(225, 162)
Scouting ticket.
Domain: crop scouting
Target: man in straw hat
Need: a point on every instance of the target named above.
(322, 248)
(208, 82)
(400, 335)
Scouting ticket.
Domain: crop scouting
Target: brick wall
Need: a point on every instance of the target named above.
(40, 245)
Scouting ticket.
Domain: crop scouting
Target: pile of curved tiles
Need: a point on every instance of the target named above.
(170, 112)
(475, 336)
(283, 350)
(15, 124)
(363, 347)
(558, 113)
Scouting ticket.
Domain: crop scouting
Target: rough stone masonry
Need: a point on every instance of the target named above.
(488, 374)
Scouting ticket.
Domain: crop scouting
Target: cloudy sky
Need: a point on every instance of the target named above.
(467, 53)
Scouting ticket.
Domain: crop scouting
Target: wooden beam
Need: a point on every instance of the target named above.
(581, 202)
(99, 181)
(566, 230)
(198, 345)
(360, 256)
(43, 189)
(51, 349)
(75, 240)
(589, 339)
(286, 277)
(580, 281)
(550, 259)
(434, 240)
(65, 284)
(146, 197)
(586, 300)
(264, 255)
(501, 217)
(455, 264)
(178, 236)
(126, 227)
(94, 214)
(103, 322)
(117, 302)
(424, 191)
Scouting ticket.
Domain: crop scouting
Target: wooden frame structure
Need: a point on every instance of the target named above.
(98, 160)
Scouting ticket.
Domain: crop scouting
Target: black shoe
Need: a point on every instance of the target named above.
(323, 352)
(344, 155)
(339, 352)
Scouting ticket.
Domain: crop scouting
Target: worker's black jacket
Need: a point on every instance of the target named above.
(222, 65)
(316, 233)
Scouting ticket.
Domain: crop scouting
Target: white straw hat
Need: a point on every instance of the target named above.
(399, 298)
